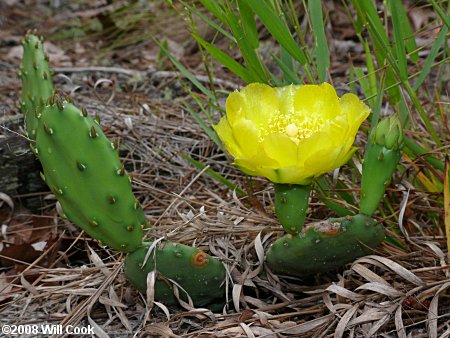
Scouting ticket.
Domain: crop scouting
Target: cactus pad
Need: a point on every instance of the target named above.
(36, 79)
(324, 246)
(291, 204)
(83, 170)
(200, 275)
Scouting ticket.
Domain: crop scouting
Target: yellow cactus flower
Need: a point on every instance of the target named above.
(290, 134)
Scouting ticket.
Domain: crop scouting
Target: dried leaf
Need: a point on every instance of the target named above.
(381, 288)
(342, 325)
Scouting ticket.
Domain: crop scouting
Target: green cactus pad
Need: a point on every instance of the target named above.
(378, 167)
(291, 204)
(200, 275)
(83, 170)
(324, 246)
(36, 79)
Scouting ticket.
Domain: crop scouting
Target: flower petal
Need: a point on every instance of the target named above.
(314, 101)
(260, 101)
(322, 161)
(286, 97)
(281, 148)
(258, 166)
(332, 135)
(344, 157)
(355, 110)
(234, 106)
(225, 133)
(245, 134)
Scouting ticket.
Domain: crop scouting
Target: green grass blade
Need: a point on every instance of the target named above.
(323, 186)
(213, 7)
(206, 128)
(399, 35)
(249, 24)
(431, 57)
(371, 75)
(420, 151)
(383, 51)
(444, 17)
(226, 60)
(215, 175)
(289, 76)
(276, 26)
(251, 58)
(364, 83)
(183, 70)
(210, 22)
(322, 51)
(400, 19)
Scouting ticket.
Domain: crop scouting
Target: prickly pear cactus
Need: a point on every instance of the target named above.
(200, 275)
(36, 79)
(82, 168)
(324, 246)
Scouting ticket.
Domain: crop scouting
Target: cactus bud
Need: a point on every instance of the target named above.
(389, 133)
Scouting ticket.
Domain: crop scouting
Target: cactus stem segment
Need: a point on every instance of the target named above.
(381, 157)
(291, 204)
(200, 275)
(324, 246)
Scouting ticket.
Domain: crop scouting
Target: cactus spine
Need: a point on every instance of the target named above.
(201, 276)
(36, 79)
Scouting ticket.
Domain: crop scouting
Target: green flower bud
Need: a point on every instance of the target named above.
(389, 133)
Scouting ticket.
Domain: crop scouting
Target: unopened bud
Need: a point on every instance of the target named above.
(389, 133)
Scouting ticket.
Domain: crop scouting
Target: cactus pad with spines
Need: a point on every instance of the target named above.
(36, 79)
(83, 170)
(324, 246)
(200, 275)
